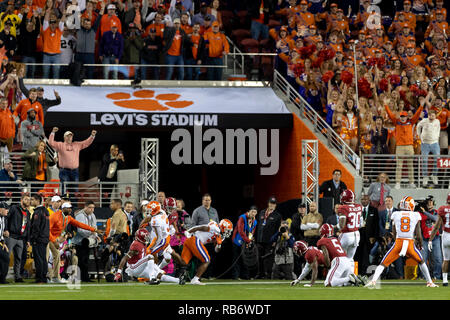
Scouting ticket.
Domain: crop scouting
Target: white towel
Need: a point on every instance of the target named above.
(404, 248)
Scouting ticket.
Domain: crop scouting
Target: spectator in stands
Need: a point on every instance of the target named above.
(161, 11)
(135, 15)
(111, 49)
(379, 137)
(18, 227)
(260, 17)
(4, 252)
(30, 103)
(443, 115)
(109, 20)
(68, 42)
(151, 50)
(283, 243)
(45, 103)
(9, 15)
(429, 218)
(334, 187)
(132, 46)
(191, 55)
(174, 40)
(243, 235)
(428, 129)
(39, 237)
(37, 165)
(7, 125)
(268, 223)
(8, 174)
(200, 17)
(82, 236)
(218, 47)
(51, 38)
(8, 40)
(214, 10)
(176, 10)
(334, 218)
(404, 141)
(85, 45)
(54, 205)
(68, 155)
(111, 163)
(31, 130)
(311, 224)
(378, 191)
(29, 32)
(296, 223)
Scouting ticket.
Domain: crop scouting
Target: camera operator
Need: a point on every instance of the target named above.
(429, 219)
(84, 240)
(116, 247)
(283, 242)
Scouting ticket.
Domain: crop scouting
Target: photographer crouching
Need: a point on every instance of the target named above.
(116, 246)
(283, 242)
(84, 239)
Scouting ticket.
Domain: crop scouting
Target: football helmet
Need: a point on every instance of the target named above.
(407, 203)
(170, 204)
(347, 196)
(142, 235)
(154, 207)
(226, 227)
(300, 247)
(326, 230)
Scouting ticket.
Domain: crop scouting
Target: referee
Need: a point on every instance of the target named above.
(4, 252)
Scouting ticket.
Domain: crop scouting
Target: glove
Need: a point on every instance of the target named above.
(118, 277)
(430, 245)
(217, 248)
(293, 283)
(187, 234)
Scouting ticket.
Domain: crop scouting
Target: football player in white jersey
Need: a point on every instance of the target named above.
(406, 226)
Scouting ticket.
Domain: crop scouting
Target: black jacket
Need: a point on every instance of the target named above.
(255, 5)
(295, 229)
(40, 226)
(16, 216)
(45, 103)
(329, 190)
(371, 229)
(169, 34)
(265, 229)
(27, 40)
(151, 49)
(106, 161)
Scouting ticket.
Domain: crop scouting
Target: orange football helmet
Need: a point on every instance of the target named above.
(407, 203)
(226, 227)
(154, 207)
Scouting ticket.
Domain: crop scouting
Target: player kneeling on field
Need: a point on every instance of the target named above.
(340, 271)
(140, 265)
(314, 258)
(197, 237)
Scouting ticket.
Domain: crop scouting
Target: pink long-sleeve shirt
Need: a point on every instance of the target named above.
(69, 153)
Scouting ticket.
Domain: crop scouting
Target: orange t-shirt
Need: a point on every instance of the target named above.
(175, 48)
(442, 115)
(217, 44)
(39, 3)
(195, 40)
(187, 28)
(158, 27)
(42, 167)
(52, 40)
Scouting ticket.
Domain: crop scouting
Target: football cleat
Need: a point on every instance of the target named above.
(197, 282)
(354, 280)
(153, 281)
(363, 279)
(182, 279)
(432, 285)
(445, 284)
(371, 284)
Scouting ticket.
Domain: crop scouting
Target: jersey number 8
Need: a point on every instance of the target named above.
(405, 224)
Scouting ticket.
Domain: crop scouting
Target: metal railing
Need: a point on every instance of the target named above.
(321, 127)
(423, 169)
(78, 193)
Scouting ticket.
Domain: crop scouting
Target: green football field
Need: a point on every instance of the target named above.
(223, 290)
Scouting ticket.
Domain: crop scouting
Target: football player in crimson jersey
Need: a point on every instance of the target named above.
(314, 258)
(340, 271)
(350, 215)
(405, 226)
(140, 265)
(443, 221)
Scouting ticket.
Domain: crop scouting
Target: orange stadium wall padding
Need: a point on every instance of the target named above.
(286, 184)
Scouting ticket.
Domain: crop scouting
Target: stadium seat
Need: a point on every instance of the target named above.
(239, 34)
(249, 45)
(273, 23)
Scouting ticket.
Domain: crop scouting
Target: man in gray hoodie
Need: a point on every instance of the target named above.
(31, 130)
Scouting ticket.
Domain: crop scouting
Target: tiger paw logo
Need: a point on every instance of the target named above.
(147, 101)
